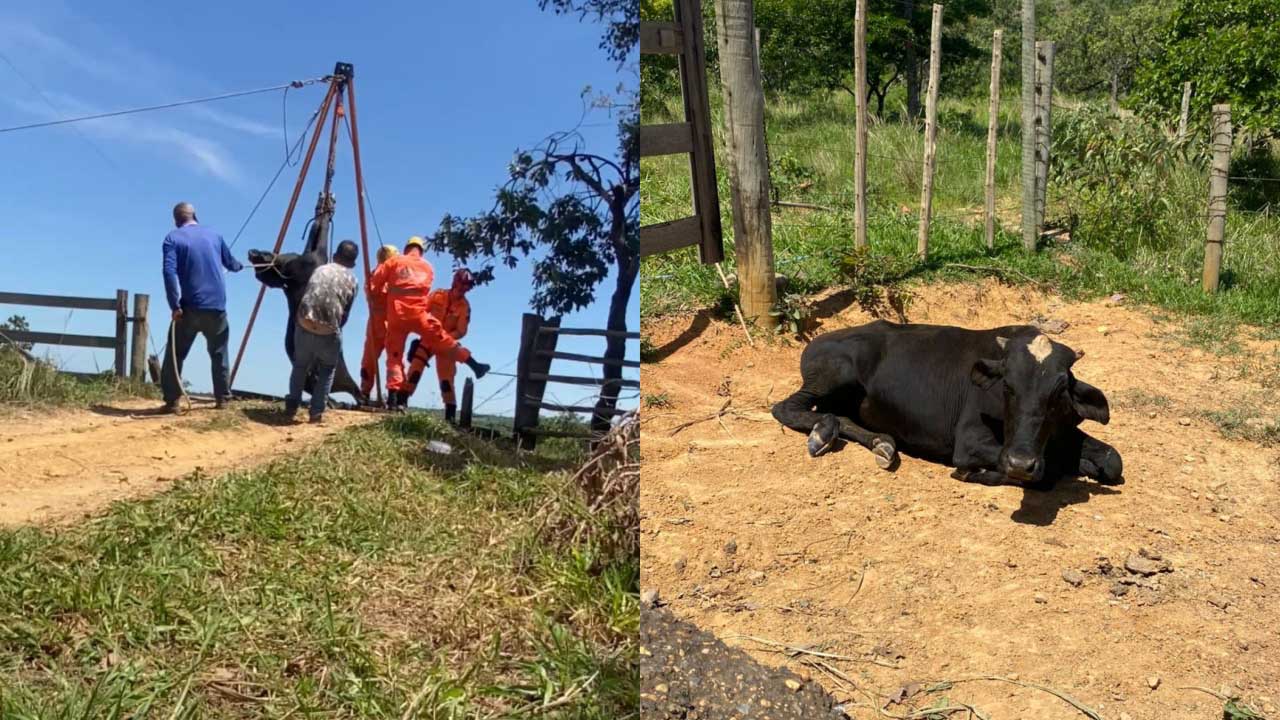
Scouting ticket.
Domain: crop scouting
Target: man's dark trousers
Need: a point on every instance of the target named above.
(212, 324)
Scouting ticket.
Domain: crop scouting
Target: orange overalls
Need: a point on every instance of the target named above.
(375, 336)
(454, 313)
(407, 281)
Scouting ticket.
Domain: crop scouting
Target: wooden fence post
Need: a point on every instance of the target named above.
(141, 331)
(122, 333)
(1043, 125)
(1217, 196)
(1029, 235)
(468, 399)
(748, 164)
(930, 131)
(993, 123)
(860, 125)
(1186, 111)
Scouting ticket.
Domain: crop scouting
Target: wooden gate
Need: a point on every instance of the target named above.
(119, 342)
(683, 38)
(533, 371)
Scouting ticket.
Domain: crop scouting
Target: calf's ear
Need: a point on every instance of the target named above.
(1089, 402)
(986, 372)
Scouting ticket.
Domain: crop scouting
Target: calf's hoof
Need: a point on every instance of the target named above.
(885, 453)
(824, 435)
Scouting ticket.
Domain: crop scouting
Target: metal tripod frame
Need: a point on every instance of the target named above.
(341, 82)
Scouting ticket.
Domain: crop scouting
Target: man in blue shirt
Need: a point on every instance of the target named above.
(193, 260)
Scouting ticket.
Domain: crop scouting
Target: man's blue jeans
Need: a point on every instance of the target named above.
(213, 325)
(313, 352)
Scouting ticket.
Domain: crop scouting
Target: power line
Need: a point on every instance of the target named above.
(116, 113)
(53, 107)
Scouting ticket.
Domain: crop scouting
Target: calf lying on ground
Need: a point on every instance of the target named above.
(999, 405)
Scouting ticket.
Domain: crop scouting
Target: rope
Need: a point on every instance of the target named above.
(173, 356)
(346, 123)
(296, 147)
(179, 103)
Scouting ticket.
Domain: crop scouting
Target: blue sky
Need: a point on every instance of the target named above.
(446, 93)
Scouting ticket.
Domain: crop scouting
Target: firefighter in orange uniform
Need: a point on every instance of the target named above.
(453, 311)
(407, 281)
(375, 336)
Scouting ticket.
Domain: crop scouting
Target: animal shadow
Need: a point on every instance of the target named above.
(1040, 506)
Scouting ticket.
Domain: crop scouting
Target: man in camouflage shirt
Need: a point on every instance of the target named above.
(317, 335)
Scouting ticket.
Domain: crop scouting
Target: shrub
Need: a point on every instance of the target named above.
(1122, 185)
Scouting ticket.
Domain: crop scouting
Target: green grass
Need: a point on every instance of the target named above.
(35, 382)
(353, 581)
(811, 154)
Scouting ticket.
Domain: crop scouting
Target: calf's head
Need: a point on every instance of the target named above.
(1041, 395)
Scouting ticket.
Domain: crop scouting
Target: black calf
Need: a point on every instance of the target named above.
(1001, 406)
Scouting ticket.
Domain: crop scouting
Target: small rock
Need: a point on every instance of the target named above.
(1195, 495)
(661, 687)
(1119, 589)
(1073, 577)
(756, 576)
(764, 703)
(793, 684)
(1040, 598)
(731, 547)
(1142, 566)
(1103, 330)
(1125, 716)
(680, 565)
(1219, 601)
(1210, 496)
(649, 598)
(1189, 458)
(1153, 682)
(1184, 421)
(714, 571)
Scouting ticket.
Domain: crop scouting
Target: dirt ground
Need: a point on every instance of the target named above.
(907, 579)
(64, 465)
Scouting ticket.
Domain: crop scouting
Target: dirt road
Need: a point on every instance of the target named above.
(63, 465)
(1117, 597)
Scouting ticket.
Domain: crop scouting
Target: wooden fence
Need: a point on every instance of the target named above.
(683, 38)
(119, 342)
(538, 338)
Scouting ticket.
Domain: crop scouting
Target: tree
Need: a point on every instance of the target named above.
(808, 44)
(1230, 51)
(571, 212)
(17, 323)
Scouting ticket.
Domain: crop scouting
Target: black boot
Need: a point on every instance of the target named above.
(478, 368)
(392, 399)
(450, 413)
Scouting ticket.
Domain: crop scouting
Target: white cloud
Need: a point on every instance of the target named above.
(120, 65)
(210, 156)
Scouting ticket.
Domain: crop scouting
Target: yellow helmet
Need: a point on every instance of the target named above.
(386, 252)
(415, 241)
